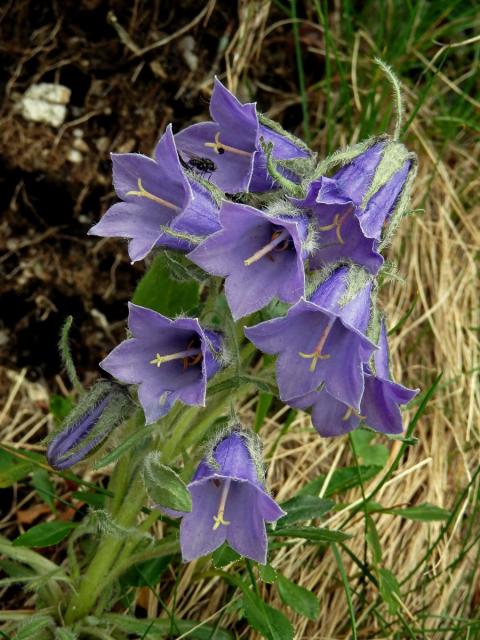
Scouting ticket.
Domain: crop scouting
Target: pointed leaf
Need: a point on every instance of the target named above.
(304, 507)
(158, 291)
(298, 598)
(272, 624)
(164, 486)
(45, 534)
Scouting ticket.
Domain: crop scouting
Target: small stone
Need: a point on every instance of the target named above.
(45, 102)
(77, 132)
(103, 144)
(74, 156)
(80, 145)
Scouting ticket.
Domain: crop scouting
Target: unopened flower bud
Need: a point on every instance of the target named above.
(99, 411)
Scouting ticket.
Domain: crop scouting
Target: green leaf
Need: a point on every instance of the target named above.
(60, 407)
(15, 570)
(96, 500)
(157, 291)
(298, 598)
(13, 469)
(272, 624)
(389, 588)
(314, 534)
(267, 573)
(46, 534)
(263, 405)
(34, 627)
(236, 381)
(146, 574)
(304, 507)
(224, 555)
(342, 480)
(423, 512)
(42, 483)
(369, 454)
(191, 628)
(126, 445)
(373, 540)
(164, 486)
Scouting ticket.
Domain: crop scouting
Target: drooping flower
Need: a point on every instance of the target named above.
(229, 502)
(98, 412)
(336, 226)
(379, 407)
(232, 144)
(169, 360)
(260, 255)
(156, 196)
(375, 180)
(321, 341)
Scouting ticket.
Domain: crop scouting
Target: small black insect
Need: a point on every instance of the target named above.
(203, 166)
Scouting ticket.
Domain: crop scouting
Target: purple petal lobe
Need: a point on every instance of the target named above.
(246, 531)
(253, 278)
(197, 535)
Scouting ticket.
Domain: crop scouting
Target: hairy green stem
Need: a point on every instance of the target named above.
(108, 550)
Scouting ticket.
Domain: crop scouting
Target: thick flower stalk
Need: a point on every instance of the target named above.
(229, 501)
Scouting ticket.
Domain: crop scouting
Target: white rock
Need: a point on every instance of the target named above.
(45, 102)
(74, 156)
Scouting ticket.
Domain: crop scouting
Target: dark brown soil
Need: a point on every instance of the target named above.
(120, 101)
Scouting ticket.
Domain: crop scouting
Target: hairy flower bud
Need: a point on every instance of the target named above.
(378, 181)
(99, 411)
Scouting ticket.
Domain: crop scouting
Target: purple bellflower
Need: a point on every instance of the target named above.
(156, 195)
(167, 359)
(379, 407)
(232, 144)
(229, 502)
(356, 178)
(321, 341)
(260, 255)
(98, 412)
(337, 229)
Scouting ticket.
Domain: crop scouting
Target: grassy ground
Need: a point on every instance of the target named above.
(311, 64)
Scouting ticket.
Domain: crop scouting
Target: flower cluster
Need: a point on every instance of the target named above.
(298, 243)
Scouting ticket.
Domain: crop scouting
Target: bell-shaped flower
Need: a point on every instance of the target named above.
(97, 413)
(169, 360)
(321, 341)
(375, 180)
(338, 234)
(156, 196)
(260, 255)
(230, 146)
(379, 407)
(229, 502)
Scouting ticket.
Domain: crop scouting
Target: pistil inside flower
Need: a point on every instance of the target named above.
(143, 193)
(278, 237)
(220, 148)
(317, 353)
(189, 357)
(338, 220)
(219, 518)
